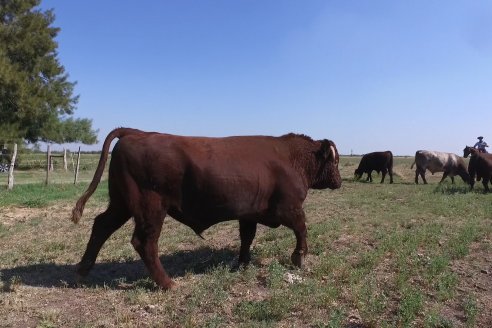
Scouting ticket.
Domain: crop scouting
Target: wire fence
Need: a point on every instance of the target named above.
(31, 167)
(34, 161)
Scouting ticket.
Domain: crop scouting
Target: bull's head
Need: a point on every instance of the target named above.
(328, 175)
(358, 174)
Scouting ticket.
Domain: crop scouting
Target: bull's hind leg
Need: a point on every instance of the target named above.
(383, 174)
(247, 232)
(105, 224)
(144, 241)
(422, 175)
(148, 228)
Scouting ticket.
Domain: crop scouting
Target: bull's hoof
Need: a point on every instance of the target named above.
(297, 258)
(238, 265)
(167, 285)
(244, 260)
(82, 270)
(80, 280)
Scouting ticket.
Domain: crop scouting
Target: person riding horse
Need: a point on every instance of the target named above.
(480, 145)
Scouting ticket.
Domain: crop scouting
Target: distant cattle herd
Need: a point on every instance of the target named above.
(202, 181)
(479, 167)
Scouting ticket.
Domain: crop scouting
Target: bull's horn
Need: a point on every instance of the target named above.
(332, 149)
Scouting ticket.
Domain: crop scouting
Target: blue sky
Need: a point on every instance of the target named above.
(370, 75)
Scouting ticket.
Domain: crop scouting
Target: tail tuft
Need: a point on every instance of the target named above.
(76, 214)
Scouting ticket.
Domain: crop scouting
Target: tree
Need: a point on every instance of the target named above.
(36, 97)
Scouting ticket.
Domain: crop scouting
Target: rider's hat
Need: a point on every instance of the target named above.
(480, 137)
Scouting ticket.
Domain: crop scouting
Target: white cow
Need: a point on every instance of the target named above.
(436, 161)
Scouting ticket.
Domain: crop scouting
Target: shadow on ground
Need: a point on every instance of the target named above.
(451, 189)
(112, 274)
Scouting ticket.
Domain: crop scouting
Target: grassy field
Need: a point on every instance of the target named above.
(381, 255)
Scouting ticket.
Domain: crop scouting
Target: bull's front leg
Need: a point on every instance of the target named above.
(444, 176)
(471, 173)
(296, 220)
(247, 232)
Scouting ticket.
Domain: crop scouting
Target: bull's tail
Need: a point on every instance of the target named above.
(116, 133)
(415, 159)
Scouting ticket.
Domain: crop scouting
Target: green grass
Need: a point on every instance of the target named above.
(39, 195)
(381, 255)
(269, 310)
(471, 310)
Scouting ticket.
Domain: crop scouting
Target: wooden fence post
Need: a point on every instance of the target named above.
(65, 159)
(11, 169)
(73, 163)
(48, 160)
(77, 168)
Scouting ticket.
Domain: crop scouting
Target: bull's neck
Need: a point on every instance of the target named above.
(304, 161)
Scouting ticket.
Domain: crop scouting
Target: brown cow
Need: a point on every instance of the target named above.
(202, 181)
(480, 165)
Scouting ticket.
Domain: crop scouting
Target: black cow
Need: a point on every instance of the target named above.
(380, 161)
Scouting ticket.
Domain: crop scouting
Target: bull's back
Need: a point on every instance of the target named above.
(436, 161)
(202, 176)
(377, 160)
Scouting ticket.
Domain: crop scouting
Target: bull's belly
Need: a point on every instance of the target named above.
(222, 205)
(451, 173)
(201, 218)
